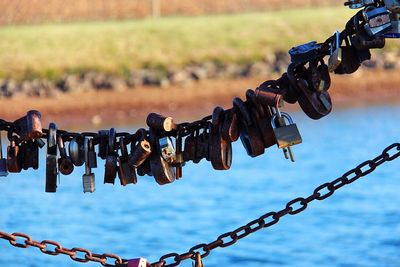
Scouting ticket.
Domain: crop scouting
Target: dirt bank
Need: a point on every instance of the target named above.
(104, 108)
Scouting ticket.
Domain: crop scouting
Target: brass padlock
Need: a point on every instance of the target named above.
(335, 57)
(286, 135)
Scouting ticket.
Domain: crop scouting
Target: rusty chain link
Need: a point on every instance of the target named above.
(293, 207)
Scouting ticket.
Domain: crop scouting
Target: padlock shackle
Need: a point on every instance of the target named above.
(282, 115)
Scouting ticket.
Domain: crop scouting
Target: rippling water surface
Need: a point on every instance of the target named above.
(358, 226)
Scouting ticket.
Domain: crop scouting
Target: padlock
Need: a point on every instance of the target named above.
(77, 152)
(161, 170)
(160, 123)
(394, 7)
(88, 179)
(51, 159)
(189, 151)
(144, 168)
(220, 149)
(14, 163)
(30, 126)
(65, 164)
(202, 144)
(141, 150)
(318, 75)
(361, 41)
(126, 172)
(3, 161)
(315, 104)
(167, 149)
(230, 129)
(141, 262)
(30, 154)
(179, 159)
(377, 20)
(265, 96)
(262, 116)
(103, 143)
(335, 57)
(92, 155)
(286, 135)
(249, 134)
(110, 172)
(305, 52)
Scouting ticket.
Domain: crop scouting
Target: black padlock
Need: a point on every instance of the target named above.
(51, 159)
(110, 172)
(126, 172)
(30, 155)
(189, 151)
(103, 143)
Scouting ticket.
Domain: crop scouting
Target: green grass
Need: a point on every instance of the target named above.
(116, 46)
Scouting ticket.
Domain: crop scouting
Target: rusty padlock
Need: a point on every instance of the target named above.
(314, 103)
(249, 134)
(30, 126)
(140, 150)
(14, 163)
(220, 149)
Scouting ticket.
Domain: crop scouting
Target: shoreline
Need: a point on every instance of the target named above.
(130, 107)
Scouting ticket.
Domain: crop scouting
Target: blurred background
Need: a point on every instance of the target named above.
(93, 64)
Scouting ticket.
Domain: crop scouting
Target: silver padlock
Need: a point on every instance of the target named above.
(3, 162)
(88, 178)
(377, 20)
(167, 149)
(286, 134)
(394, 8)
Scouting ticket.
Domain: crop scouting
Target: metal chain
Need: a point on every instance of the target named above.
(293, 207)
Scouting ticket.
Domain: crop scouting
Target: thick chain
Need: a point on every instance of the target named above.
(293, 207)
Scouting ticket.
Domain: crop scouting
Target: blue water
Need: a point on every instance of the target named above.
(358, 226)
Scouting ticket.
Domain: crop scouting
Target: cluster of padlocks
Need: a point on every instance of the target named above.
(162, 150)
